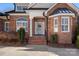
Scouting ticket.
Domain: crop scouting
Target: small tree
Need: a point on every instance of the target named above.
(21, 33)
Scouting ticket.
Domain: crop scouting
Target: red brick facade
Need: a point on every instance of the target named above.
(63, 37)
(31, 40)
(12, 21)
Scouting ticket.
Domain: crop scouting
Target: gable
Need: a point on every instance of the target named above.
(32, 6)
(69, 6)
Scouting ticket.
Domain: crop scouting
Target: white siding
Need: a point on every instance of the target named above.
(36, 12)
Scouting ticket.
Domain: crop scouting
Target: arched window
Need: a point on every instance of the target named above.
(22, 22)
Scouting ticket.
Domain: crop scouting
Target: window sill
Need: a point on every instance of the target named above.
(65, 31)
(39, 34)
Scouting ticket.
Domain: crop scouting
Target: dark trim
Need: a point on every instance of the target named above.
(38, 8)
(18, 12)
(13, 11)
(14, 6)
(10, 11)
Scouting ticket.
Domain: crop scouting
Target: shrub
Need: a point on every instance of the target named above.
(77, 36)
(21, 33)
(77, 28)
(54, 38)
(77, 41)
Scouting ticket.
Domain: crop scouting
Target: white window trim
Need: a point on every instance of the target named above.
(68, 24)
(56, 18)
(22, 21)
(63, 14)
(5, 26)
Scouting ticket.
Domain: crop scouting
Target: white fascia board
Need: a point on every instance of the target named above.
(69, 14)
(50, 8)
(73, 6)
(17, 14)
(32, 5)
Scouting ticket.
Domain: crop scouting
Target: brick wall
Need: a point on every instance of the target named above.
(13, 19)
(32, 40)
(1, 24)
(63, 37)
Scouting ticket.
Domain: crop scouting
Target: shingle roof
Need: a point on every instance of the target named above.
(35, 5)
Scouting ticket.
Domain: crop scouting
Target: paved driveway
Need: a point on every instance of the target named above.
(37, 50)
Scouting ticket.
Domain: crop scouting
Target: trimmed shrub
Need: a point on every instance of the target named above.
(77, 41)
(77, 36)
(54, 38)
(77, 28)
(21, 33)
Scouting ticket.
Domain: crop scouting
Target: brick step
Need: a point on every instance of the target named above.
(37, 41)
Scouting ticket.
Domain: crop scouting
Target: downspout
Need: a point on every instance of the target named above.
(77, 23)
(75, 32)
(46, 27)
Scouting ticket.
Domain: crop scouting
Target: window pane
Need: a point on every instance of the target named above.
(55, 24)
(66, 27)
(64, 24)
(23, 24)
(6, 26)
(62, 27)
(62, 20)
(19, 8)
(66, 21)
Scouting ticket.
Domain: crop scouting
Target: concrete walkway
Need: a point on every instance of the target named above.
(37, 50)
